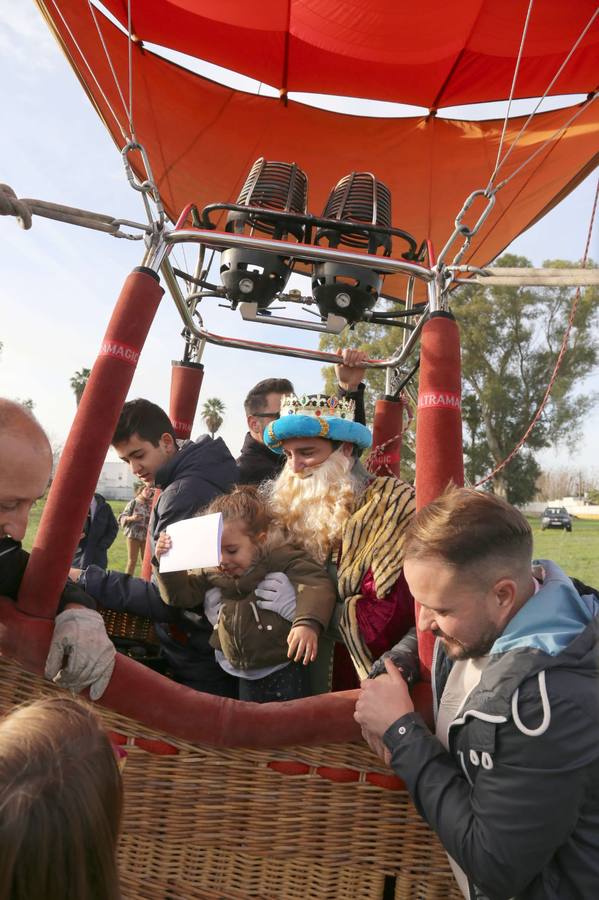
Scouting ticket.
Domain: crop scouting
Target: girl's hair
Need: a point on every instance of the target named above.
(60, 804)
(243, 503)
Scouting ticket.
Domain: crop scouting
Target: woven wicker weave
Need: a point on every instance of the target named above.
(127, 625)
(230, 824)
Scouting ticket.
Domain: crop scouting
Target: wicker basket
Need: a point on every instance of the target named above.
(128, 626)
(300, 823)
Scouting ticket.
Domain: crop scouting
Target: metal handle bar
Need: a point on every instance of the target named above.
(221, 240)
(250, 313)
(276, 349)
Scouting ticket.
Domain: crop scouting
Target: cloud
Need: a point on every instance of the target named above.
(25, 39)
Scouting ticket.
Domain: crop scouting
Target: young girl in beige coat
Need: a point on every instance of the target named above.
(261, 638)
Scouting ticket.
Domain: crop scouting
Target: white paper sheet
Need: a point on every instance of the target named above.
(196, 544)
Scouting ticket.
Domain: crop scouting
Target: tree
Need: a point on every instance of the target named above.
(554, 484)
(212, 414)
(78, 382)
(511, 337)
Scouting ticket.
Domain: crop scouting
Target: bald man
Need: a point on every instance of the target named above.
(81, 654)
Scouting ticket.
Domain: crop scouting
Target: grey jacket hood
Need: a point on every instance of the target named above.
(556, 628)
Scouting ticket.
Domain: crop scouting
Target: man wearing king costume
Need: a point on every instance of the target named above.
(349, 520)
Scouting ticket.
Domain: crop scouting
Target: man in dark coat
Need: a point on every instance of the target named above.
(189, 476)
(262, 406)
(509, 780)
(257, 462)
(99, 531)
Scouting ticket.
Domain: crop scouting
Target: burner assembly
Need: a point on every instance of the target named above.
(345, 285)
(255, 275)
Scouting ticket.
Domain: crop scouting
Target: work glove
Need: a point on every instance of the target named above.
(81, 653)
(212, 604)
(278, 595)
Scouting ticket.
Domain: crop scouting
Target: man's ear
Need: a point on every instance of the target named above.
(506, 593)
(254, 425)
(168, 442)
(347, 448)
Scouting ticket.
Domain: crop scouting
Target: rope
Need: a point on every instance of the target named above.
(25, 208)
(10, 205)
(558, 362)
(370, 462)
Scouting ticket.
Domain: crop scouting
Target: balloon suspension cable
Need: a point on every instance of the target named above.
(501, 162)
(558, 362)
(489, 193)
(127, 109)
(130, 65)
(556, 134)
(511, 97)
(90, 70)
(147, 187)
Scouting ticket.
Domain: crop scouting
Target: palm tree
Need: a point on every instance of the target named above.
(212, 414)
(78, 382)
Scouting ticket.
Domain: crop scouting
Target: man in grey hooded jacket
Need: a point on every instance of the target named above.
(510, 779)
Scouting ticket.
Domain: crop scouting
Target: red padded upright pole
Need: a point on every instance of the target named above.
(85, 450)
(186, 381)
(439, 457)
(387, 433)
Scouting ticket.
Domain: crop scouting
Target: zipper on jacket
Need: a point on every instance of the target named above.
(256, 616)
(465, 769)
(434, 679)
(234, 636)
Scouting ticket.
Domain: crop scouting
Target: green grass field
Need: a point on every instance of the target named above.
(117, 555)
(577, 553)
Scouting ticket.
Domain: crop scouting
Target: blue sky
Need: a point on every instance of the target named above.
(59, 282)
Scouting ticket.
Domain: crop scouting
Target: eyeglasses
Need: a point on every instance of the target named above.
(268, 415)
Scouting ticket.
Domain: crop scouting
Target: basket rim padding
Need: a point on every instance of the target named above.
(139, 693)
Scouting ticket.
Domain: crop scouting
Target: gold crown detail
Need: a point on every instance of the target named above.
(317, 406)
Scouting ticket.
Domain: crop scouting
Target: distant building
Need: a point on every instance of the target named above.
(115, 481)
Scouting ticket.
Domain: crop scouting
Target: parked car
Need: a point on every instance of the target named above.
(556, 517)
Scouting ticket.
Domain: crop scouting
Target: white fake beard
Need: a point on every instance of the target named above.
(313, 506)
